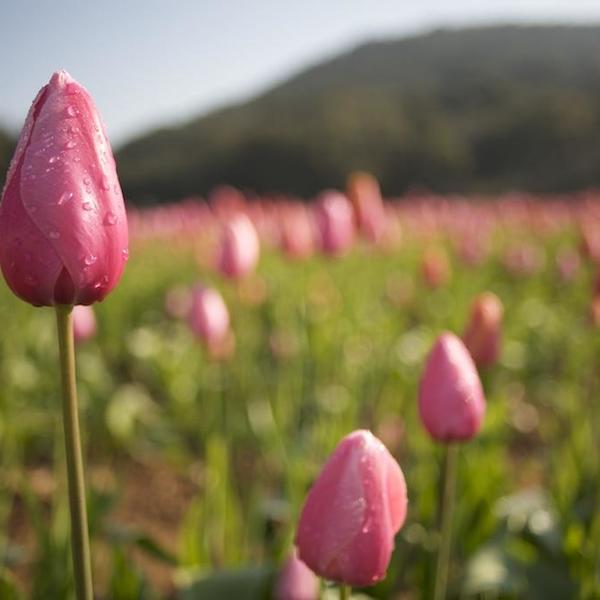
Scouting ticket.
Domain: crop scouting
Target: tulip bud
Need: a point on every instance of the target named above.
(240, 247)
(483, 332)
(435, 268)
(335, 221)
(352, 513)
(63, 228)
(297, 235)
(209, 317)
(365, 195)
(296, 581)
(451, 400)
(84, 323)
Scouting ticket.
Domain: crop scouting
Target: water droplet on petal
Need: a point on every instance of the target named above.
(125, 254)
(110, 218)
(105, 183)
(71, 111)
(70, 144)
(90, 260)
(77, 159)
(53, 159)
(87, 180)
(65, 197)
(53, 235)
(87, 206)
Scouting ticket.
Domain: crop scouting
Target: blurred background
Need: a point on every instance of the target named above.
(479, 124)
(458, 97)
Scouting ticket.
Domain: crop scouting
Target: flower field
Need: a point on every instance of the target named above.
(200, 452)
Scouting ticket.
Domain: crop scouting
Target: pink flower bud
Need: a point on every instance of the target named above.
(335, 221)
(84, 323)
(296, 581)
(240, 248)
(435, 267)
(484, 330)
(451, 400)
(209, 317)
(365, 195)
(352, 513)
(297, 233)
(63, 228)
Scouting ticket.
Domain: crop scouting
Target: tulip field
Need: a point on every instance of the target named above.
(215, 381)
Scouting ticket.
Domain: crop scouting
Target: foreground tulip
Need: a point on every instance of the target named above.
(240, 248)
(296, 581)
(209, 317)
(63, 241)
(352, 513)
(84, 324)
(452, 406)
(335, 222)
(484, 330)
(63, 228)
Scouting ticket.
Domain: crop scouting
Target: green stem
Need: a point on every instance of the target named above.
(345, 592)
(448, 492)
(79, 529)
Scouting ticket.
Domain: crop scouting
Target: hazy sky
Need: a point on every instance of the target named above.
(151, 62)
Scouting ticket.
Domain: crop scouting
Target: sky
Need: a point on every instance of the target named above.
(151, 62)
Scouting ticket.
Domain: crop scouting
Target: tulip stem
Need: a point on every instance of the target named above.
(77, 503)
(345, 592)
(448, 494)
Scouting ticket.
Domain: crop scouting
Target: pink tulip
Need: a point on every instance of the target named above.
(365, 195)
(484, 330)
(84, 323)
(240, 248)
(296, 581)
(209, 317)
(451, 400)
(297, 234)
(63, 228)
(352, 513)
(435, 267)
(335, 221)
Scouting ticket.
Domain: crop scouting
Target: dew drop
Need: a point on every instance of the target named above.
(105, 183)
(53, 159)
(70, 145)
(77, 159)
(125, 254)
(65, 197)
(87, 180)
(90, 260)
(110, 218)
(87, 206)
(71, 111)
(53, 235)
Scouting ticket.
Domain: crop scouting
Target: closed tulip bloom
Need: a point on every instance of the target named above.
(297, 234)
(209, 317)
(84, 323)
(352, 513)
(335, 221)
(240, 248)
(451, 400)
(296, 581)
(63, 227)
(365, 195)
(484, 330)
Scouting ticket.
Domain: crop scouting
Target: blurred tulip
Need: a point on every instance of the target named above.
(483, 334)
(335, 222)
(364, 193)
(435, 267)
(352, 513)
(568, 264)
(209, 317)
(84, 323)
(240, 248)
(296, 581)
(297, 232)
(63, 228)
(524, 259)
(451, 400)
